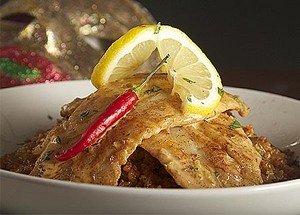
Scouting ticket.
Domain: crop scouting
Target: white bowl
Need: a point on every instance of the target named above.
(25, 109)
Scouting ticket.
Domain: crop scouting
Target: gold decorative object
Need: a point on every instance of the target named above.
(72, 35)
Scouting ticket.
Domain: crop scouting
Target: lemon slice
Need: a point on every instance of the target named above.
(125, 55)
(193, 76)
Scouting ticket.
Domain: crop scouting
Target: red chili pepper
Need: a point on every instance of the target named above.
(110, 117)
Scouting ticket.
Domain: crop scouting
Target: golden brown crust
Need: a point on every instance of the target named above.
(102, 163)
(207, 154)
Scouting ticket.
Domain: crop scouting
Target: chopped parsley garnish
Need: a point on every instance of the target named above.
(153, 89)
(58, 140)
(217, 174)
(189, 81)
(47, 155)
(84, 114)
(220, 91)
(189, 98)
(49, 117)
(193, 168)
(235, 97)
(157, 29)
(235, 125)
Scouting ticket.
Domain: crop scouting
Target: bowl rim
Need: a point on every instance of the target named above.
(139, 190)
(151, 191)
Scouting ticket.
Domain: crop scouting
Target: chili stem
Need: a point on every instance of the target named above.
(138, 89)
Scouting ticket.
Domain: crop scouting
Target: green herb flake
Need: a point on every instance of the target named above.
(47, 155)
(58, 140)
(220, 91)
(84, 114)
(235, 125)
(193, 168)
(153, 89)
(49, 117)
(217, 174)
(157, 29)
(189, 98)
(189, 81)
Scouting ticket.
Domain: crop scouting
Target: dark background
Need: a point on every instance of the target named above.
(253, 44)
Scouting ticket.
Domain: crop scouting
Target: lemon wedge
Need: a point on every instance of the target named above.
(192, 75)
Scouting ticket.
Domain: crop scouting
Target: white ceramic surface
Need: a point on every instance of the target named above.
(24, 110)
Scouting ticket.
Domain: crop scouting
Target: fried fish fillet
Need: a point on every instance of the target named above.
(101, 163)
(207, 154)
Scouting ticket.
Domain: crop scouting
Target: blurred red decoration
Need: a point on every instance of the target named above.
(55, 40)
